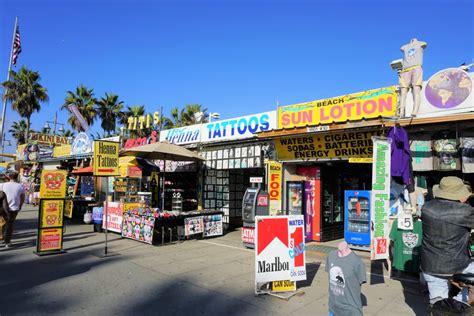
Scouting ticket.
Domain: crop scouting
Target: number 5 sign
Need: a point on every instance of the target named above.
(405, 220)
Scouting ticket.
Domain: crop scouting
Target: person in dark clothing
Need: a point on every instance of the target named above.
(447, 223)
(4, 214)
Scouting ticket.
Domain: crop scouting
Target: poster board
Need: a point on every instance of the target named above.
(68, 207)
(212, 225)
(53, 184)
(193, 225)
(50, 227)
(138, 227)
(114, 217)
(279, 248)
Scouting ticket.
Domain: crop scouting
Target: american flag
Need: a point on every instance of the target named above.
(16, 45)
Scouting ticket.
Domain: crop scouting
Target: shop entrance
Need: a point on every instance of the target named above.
(336, 177)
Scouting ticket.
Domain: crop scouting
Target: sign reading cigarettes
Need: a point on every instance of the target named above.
(279, 248)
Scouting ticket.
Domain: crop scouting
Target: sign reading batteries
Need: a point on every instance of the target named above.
(280, 248)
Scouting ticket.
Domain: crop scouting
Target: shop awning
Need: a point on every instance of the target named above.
(85, 170)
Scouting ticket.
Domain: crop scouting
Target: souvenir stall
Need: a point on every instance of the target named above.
(167, 224)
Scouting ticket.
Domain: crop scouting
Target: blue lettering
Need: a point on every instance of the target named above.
(232, 123)
(264, 124)
(242, 126)
(224, 127)
(253, 120)
(210, 127)
(217, 131)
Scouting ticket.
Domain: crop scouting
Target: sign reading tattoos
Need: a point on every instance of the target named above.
(279, 248)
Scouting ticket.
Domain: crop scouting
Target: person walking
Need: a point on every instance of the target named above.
(4, 214)
(16, 197)
(346, 275)
(447, 222)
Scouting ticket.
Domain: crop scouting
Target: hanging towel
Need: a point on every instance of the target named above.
(401, 156)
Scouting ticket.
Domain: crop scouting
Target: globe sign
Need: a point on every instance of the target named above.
(448, 88)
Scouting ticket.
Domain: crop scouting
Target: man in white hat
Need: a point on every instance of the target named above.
(447, 223)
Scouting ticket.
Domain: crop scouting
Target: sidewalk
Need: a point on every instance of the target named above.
(196, 277)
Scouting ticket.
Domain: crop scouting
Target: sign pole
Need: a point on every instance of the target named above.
(105, 211)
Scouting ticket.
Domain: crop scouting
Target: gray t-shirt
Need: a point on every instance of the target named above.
(346, 274)
(413, 54)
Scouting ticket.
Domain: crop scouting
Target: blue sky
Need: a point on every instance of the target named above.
(233, 57)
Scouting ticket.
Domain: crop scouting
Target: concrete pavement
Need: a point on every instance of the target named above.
(197, 277)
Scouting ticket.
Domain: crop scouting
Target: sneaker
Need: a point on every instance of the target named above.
(9, 245)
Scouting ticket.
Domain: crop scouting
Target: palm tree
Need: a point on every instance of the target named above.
(173, 121)
(132, 111)
(85, 102)
(184, 117)
(109, 109)
(189, 114)
(67, 133)
(18, 130)
(25, 93)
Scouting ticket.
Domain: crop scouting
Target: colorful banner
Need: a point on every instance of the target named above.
(193, 225)
(62, 151)
(280, 248)
(114, 217)
(274, 186)
(138, 227)
(238, 128)
(51, 213)
(81, 144)
(53, 184)
(380, 199)
(68, 207)
(357, 106)
(106, 158)
(49, 240)
(74, 110)
(212, 225)
(325, 146)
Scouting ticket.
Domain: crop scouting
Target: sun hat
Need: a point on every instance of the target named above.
(451, 188)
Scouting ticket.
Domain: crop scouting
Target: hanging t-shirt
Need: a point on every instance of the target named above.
(447, 157)
(422, 155)
(407, 246)
(467, 154)
(413, 54)
(346, 274)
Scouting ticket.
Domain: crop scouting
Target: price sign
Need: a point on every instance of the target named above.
(405, 220)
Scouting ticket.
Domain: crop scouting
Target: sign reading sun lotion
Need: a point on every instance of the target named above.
(280, 248)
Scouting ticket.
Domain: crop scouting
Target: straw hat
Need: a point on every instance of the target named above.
(451, 188)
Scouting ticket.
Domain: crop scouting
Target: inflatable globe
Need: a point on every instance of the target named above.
(448, 88)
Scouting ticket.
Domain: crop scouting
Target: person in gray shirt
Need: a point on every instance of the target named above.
(346, 274)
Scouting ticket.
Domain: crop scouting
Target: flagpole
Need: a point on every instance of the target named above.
(4, 110)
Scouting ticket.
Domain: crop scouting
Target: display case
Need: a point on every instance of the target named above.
(357, 218)
(126, 189)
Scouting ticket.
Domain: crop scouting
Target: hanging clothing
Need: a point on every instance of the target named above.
(401, 155)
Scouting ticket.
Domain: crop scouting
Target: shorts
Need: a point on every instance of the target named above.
(411, 77)
(36, 195)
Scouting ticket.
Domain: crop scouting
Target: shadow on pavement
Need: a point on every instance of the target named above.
(19, 295)
(311, 270)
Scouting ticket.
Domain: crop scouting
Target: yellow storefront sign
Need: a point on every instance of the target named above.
(364, 105)
(106, 158)
(283, 286)
(62, 151)
(68, 207)
(53, 184)
(49, 240)
(326, 146)
(274, 186)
